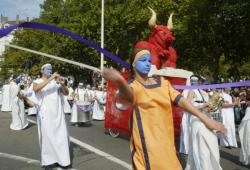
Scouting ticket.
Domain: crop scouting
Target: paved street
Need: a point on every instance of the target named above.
(91, 148)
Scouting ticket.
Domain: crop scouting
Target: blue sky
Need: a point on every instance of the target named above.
(25, 8)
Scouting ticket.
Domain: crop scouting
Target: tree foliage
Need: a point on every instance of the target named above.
(212, 36)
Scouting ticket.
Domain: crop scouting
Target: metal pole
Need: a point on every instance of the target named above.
(55, 57)
(102, 39)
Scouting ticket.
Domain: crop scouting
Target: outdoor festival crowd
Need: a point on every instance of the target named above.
(17, 96)
(23, 96)
(230, 106)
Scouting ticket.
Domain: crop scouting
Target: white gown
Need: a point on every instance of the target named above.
(66, 107)
(6, 98)
(203, 144)
(19, 119)
(12, 93)
(244, 133)
(52, 129)
(228, 139)
(31, 96)
(82, 109)
(184, 127)
(99, 105)
(1, 98)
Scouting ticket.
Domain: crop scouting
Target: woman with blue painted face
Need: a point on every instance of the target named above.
(152, 139)
(53, 134)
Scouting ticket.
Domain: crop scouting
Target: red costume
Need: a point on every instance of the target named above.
(159, 43)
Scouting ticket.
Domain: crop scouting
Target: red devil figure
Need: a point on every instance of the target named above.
(159, 43)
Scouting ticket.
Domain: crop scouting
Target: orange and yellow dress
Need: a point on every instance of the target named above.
(152, 130)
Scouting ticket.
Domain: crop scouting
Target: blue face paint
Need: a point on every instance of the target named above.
(47, 72)
(194, 82)
(143, 64)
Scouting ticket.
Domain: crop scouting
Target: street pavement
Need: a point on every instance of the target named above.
(91, 148)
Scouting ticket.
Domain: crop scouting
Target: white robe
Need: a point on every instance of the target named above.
(203, 144)
(228, 139)
(52, 129)
(1, 98)
(184, 127)
(82, 109)
(66, 107)
(31, 96)
(6, 98)
(244, 134)
(12, 93)
(204, 149)
(99, 105)
(19, 119)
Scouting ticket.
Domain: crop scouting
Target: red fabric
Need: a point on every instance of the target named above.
(115, 118)
(159, 45)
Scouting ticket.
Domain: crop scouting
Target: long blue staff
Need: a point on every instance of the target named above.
(35, 25)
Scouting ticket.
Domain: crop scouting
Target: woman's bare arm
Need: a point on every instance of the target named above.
(209, 123)
(125, 92)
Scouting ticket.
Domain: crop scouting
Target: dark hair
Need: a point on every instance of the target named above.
(66, 82)
(248, 97)
(22, 87)
(194, 75)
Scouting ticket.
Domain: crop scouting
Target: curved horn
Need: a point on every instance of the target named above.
(170, 22)
(152, 21)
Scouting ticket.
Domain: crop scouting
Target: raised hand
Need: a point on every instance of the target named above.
(55, 75)
(112, 75)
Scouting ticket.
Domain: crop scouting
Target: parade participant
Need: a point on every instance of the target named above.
(99, 104)
(13, 87)
(71, 95)
(52, 130)
(88, 94)
(203, 144)
(19, 119)
(79, 106)
(184, 129)
(66, 105)
(31, 96)
(229, 139)
(244, 134)
(6, 98)
(1, 98)
(152, 131)
(189, 95)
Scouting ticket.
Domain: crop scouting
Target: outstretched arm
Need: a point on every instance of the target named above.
(125, 92)
(209, 123)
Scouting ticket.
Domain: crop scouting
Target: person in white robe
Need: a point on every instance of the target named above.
(19, 119)
(1, 98)
(80, 106)
(52, 128)
(184, 129)
(244, 134)
(203, 144)
(6, 98)
(31, 96)
(13, 88)
(228, 139)
(99, 104)
(66, 106)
